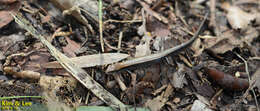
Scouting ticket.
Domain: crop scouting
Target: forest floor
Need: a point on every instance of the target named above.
(116, 54)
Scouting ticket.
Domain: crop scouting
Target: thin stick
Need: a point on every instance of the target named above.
(100, 6)
(120, 41)
(123, 21)
(110, 46)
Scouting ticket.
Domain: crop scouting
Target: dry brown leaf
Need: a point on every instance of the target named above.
(127, 4)
(7, 41)
(229, 40)
(5, 17)
(237, 18)
(152, 74)
(35, 61)
(153, 13)
(71, 48)
(157, 28)
(54, 83)
(46, 18)
(137, 90)
(225, 42)
(157, 103)
(7, 1)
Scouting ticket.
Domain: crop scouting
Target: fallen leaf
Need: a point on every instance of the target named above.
(127, 4)
(229, 40)
(153, 74)
(153, 13)
(225, 42)
(159, 29)
(7, 1)
(71, 48)
(7, 41)
(137, 90)
(35, 59)
(91, 60)
(157, 103)
(237, 18)
(199, 106)
(5, 17)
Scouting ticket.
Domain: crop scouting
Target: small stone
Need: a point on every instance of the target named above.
(176, 100)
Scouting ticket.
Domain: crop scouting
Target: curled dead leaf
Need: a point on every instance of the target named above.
(237, 18)
(5, 16)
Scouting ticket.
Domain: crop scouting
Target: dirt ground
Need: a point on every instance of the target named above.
(156, 55)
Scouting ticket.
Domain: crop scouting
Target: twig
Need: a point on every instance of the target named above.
(120, 82)
(191, 33)
(123, 21)
(215, 98)
(9, 58)
(110, 46)
(88, 94)
(152, 13)
(85, 33)
(212, 13)
(81, 75)
(213, 22)
(100, 6)
(249, 80)
(255, 58)
(120, 41)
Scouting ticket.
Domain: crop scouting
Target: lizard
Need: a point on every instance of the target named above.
(139, 60)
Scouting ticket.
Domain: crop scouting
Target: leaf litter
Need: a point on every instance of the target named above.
(178, 81)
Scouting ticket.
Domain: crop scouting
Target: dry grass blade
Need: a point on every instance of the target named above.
(71, 67)
(100, 13)
(91, 60)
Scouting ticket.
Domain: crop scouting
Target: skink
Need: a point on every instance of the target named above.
(118, 66)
